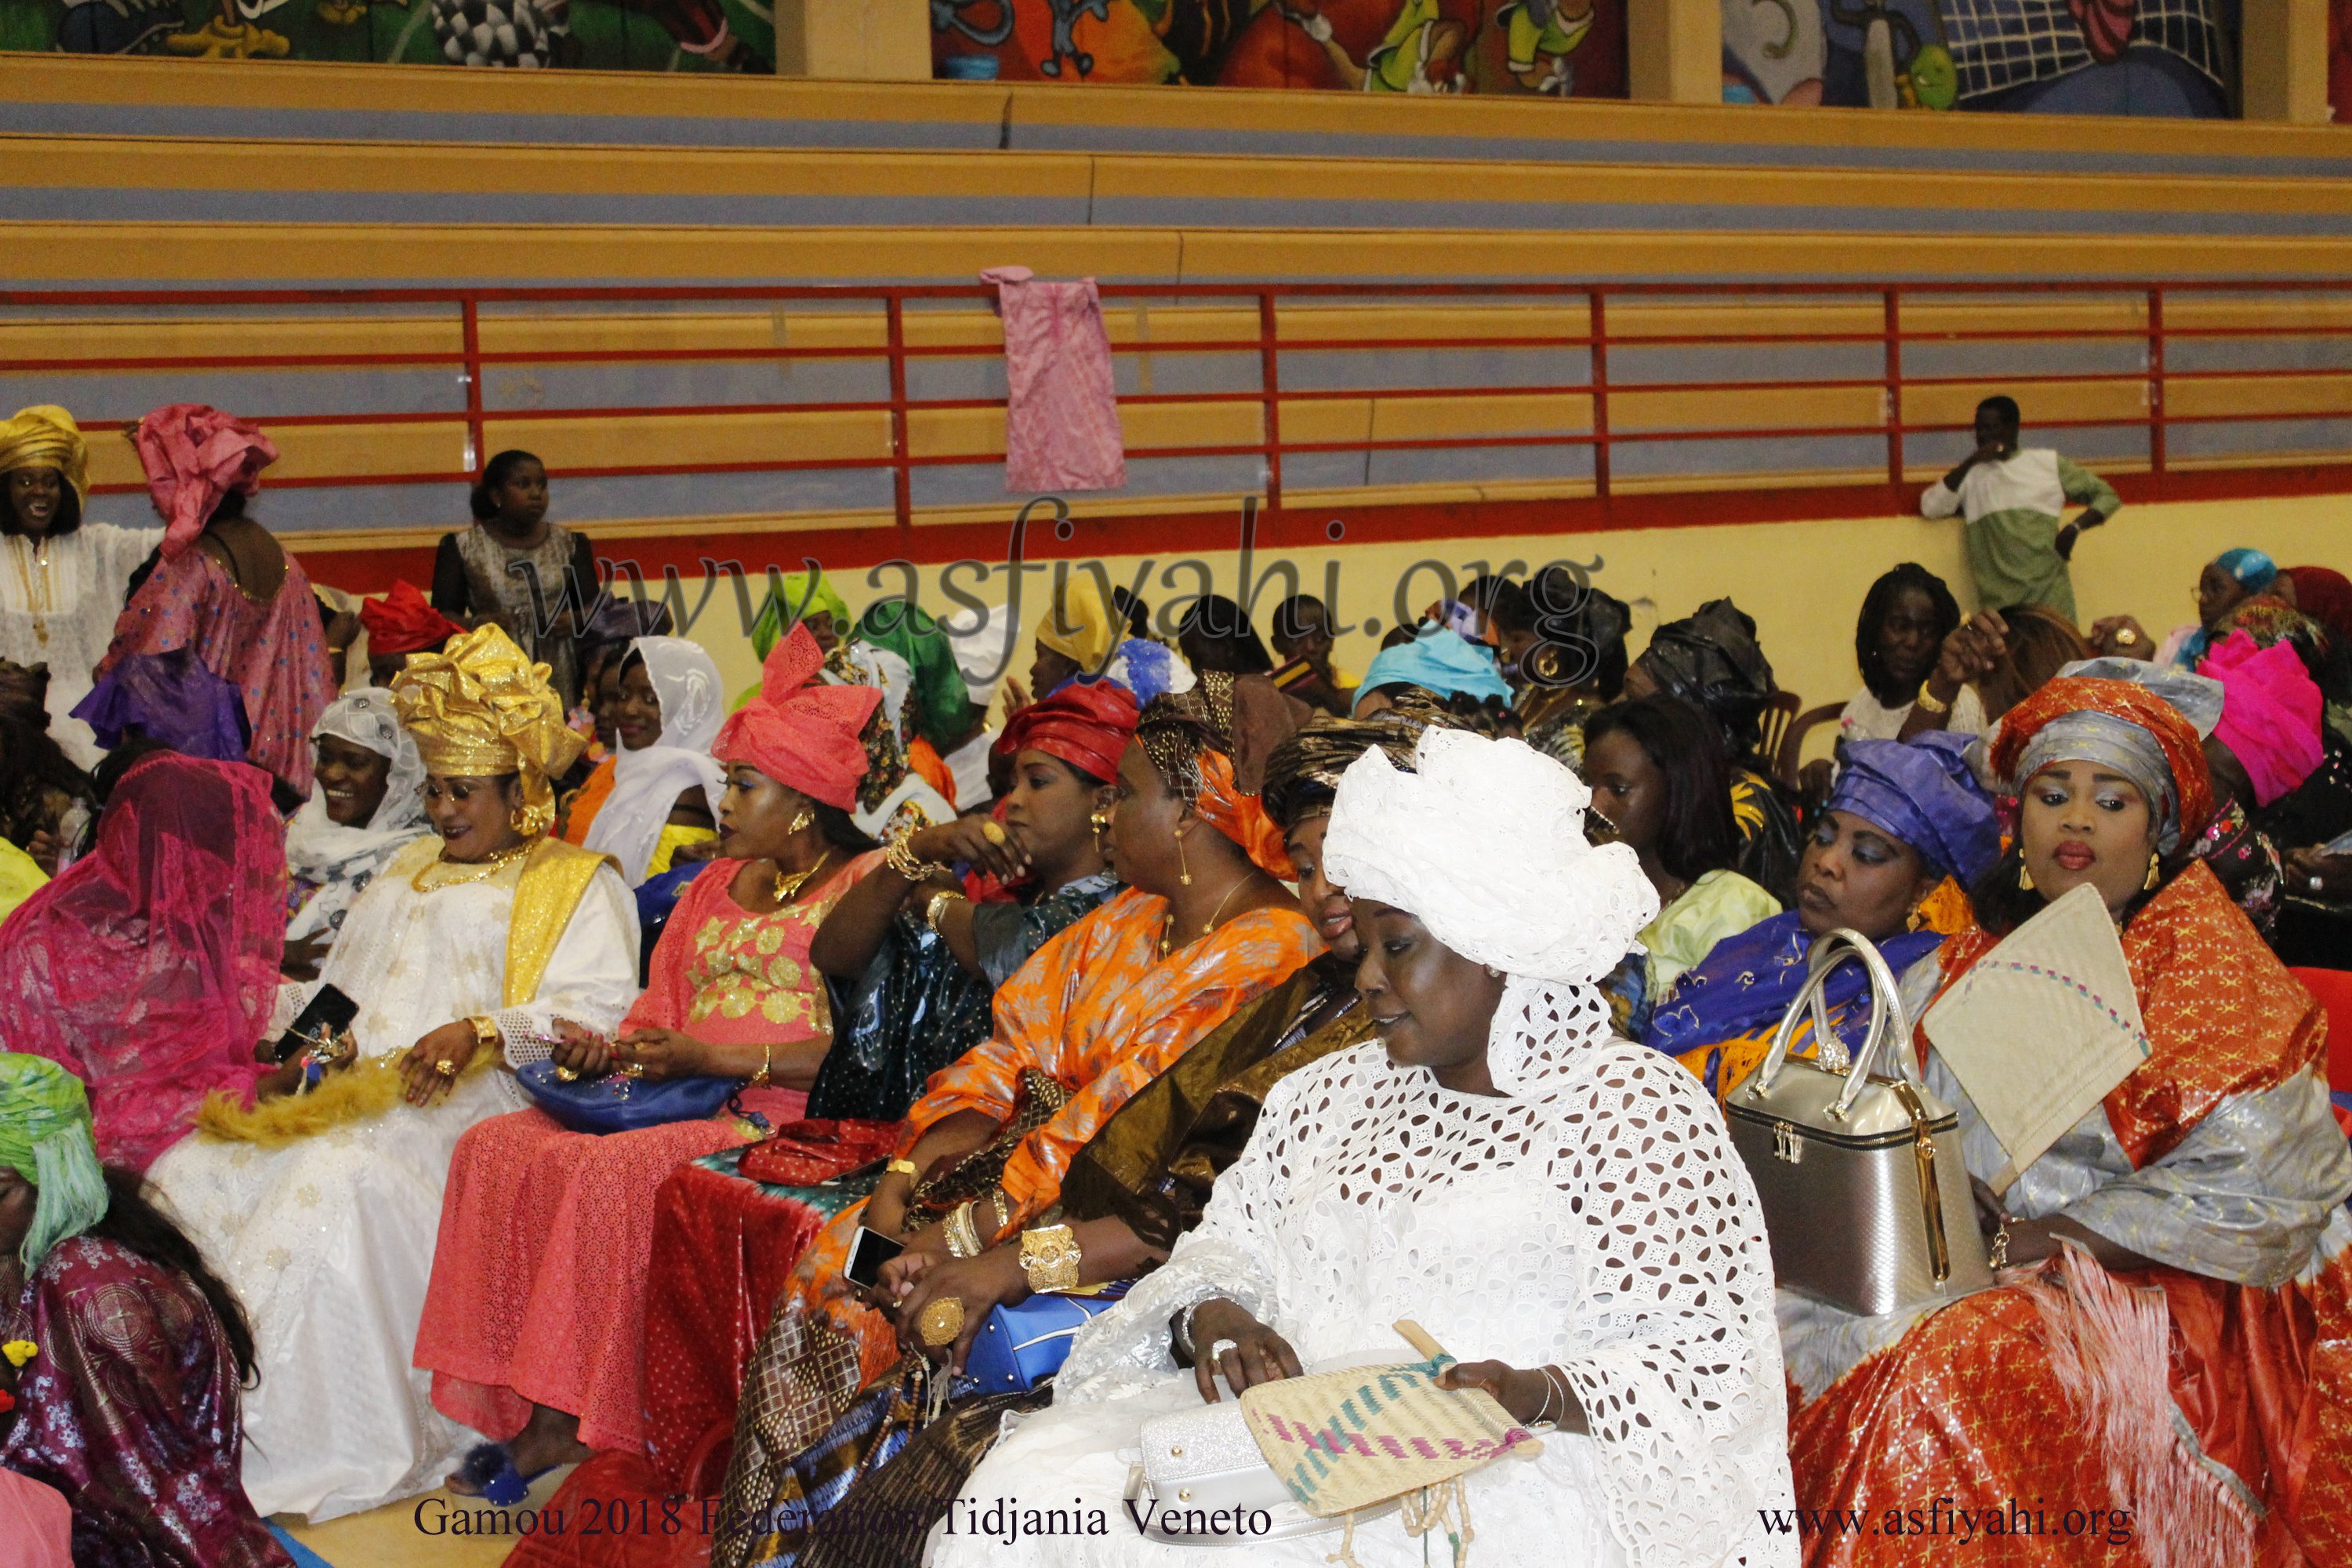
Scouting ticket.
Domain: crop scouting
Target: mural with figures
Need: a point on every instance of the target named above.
(1558, 48)
(621, 35)
(2176, 58)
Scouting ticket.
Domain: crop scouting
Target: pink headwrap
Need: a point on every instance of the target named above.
(194, 455)
(2269, 712)
(800, 734)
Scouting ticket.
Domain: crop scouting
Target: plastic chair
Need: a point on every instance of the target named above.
(1789, 761)
(1778, 709)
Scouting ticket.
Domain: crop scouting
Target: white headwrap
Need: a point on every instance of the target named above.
(646, 784)
(342, 860)
(1485, 844)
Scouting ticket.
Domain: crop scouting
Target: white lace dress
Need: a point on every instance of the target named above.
(1600, 1223)
(329, 1241)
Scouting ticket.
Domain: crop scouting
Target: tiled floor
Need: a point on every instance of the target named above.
(402, 1534)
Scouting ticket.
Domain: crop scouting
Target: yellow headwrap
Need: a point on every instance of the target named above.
(45, 436)
(480, 709)
(1077, 625)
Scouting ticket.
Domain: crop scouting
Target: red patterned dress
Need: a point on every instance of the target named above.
(2210, 1397)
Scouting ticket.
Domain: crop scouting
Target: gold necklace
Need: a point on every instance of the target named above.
(1167, 928)
(789, 886)
(427, 881)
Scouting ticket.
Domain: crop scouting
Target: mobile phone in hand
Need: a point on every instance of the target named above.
(868, 1251)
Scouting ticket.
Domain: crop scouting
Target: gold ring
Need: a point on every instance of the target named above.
(565, 1075)
(941, 1321)
(992, 833)
(2127, 636)
(446, 1067)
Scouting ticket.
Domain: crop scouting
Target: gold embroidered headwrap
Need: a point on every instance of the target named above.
(480, 709)
(45, 436)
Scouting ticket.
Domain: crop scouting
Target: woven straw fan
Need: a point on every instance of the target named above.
(1344, 1440)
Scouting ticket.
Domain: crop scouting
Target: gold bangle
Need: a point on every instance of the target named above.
(767, 1060)
(1049, 1257)
(938, 907)
(962, 1239)
(1928, 705)
(486, 1032)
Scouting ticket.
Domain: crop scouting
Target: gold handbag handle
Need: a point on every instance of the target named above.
(1830, 950)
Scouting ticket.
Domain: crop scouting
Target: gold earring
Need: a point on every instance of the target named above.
(1099, 820)
(1183, 872)
(2024, 877)
(2155, 874)
(1917, 920)
(808, 815)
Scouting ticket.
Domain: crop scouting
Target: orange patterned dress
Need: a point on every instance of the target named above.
(1100, 1012)
(2208, 1398)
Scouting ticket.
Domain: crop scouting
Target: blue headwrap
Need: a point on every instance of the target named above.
(2253, 569)
(1924, 794)
(1438, 659)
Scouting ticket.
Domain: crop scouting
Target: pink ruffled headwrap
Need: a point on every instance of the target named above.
(194, 455)
(2269, 712)
(800, 734)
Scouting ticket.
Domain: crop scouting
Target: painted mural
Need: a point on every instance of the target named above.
(622, 35)
(1557, 47)
(2172, 58)
(1560, 49)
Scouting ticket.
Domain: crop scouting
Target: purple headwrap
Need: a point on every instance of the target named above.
(1924, 794)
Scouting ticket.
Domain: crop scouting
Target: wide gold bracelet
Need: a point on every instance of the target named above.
(1928, 705)
(937, 906)
(1049, 1255)
(486, 1032)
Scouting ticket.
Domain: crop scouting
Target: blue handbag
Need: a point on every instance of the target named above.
(1021, 1346)
(619, 1103)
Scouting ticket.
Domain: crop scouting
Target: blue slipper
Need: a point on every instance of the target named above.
(490, 1471)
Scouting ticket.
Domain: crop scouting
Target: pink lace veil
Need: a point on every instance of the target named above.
(150, 965)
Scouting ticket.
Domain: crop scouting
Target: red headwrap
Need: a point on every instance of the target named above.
(195, 455)
(1085, 724)
(1222, 804)
(2175, 736)
(800, 735)
(404, 621)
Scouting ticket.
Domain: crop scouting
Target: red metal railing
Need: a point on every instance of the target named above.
(1606, 433)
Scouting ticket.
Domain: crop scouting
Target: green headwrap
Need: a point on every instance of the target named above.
(45, 1136)
(796, 599)
(943, 708)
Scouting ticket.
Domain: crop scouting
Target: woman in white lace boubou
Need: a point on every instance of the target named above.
(1560, 1209)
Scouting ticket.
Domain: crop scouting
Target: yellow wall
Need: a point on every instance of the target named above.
(1803, 582)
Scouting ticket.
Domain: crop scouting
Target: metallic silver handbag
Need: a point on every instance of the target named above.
(1865, 1199)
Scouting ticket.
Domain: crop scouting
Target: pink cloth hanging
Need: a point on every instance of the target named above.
(1061, 429)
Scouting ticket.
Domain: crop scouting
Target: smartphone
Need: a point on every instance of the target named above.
(329, 1015)
(868, 1251)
